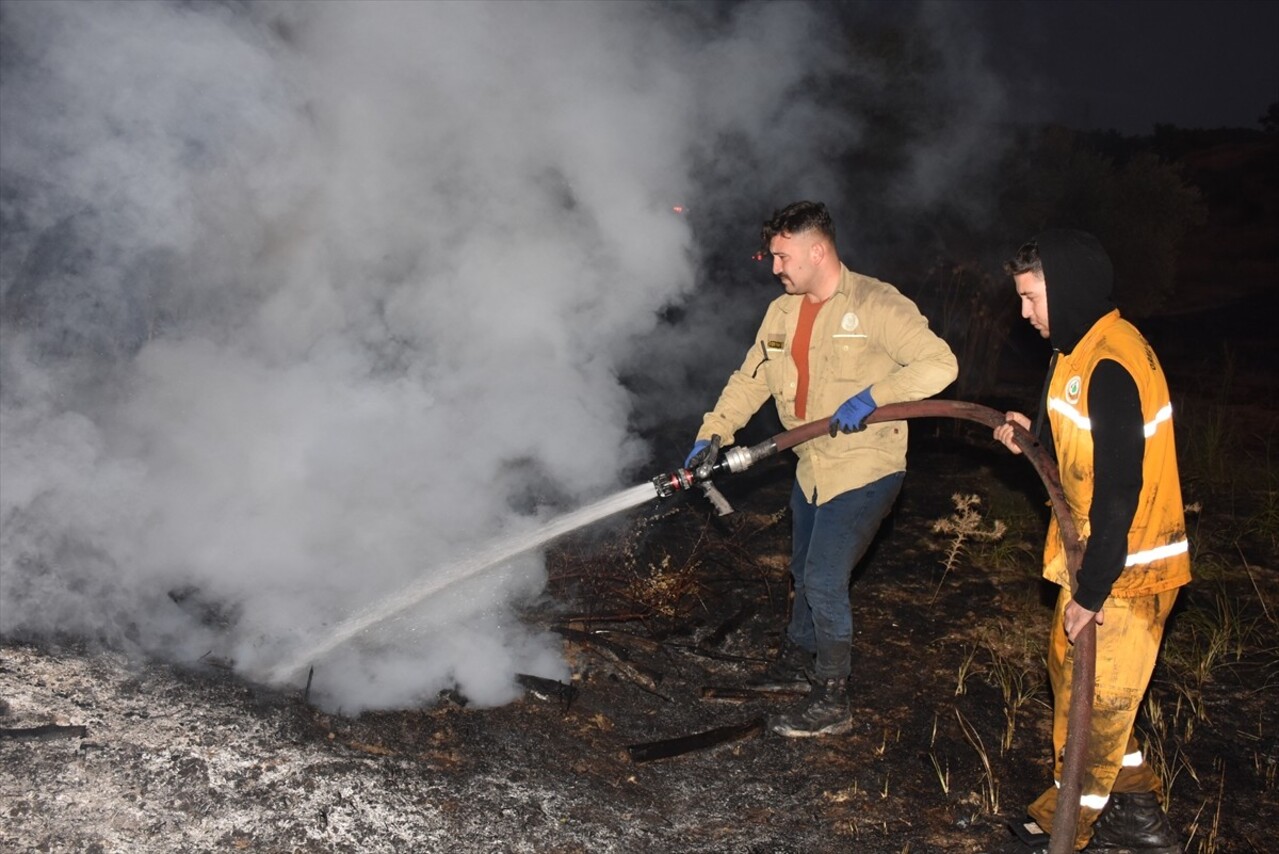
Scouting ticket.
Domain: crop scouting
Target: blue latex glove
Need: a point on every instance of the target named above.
(701, 452)
(852, 413)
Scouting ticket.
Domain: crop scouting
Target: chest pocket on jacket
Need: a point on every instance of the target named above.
(848, 355)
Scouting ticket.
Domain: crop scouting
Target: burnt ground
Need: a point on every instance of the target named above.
(656, 608)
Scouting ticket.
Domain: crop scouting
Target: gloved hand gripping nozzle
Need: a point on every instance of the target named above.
(733, 460)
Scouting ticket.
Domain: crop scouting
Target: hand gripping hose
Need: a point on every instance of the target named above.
(1083, 674)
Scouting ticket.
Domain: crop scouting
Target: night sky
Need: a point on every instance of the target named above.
(1096, 65)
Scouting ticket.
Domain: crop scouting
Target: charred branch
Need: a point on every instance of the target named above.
(616, 617)
(698, 649)
(670, 747)
(618, 657)
(727, 627)
(46, 732)
(548, 688)
(764, 691)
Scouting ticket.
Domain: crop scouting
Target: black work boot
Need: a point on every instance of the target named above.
(1134, 822)
(825, 712)
(793, 664)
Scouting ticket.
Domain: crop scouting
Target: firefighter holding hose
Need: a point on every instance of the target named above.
(1109, 416)
(840, 342)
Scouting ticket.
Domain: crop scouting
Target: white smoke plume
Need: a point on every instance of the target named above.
(304, 300)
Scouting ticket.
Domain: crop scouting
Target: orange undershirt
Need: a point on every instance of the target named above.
(799, 352)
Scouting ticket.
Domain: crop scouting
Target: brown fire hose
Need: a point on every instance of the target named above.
(1083, 674)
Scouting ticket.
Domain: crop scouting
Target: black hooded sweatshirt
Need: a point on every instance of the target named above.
(1079, 279)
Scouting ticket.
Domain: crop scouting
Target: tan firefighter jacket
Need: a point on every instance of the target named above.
(867, 335)
(1158, 553)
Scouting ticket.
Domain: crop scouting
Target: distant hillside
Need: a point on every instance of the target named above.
(1221, 320)
(1235, 253)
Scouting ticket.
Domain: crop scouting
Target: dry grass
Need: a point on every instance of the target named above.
(966, 525)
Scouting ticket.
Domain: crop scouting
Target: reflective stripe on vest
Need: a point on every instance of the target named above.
(1162, 416)
(1083, 422)
(1152, 555)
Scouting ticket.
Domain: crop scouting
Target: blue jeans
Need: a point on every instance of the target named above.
(829, 540)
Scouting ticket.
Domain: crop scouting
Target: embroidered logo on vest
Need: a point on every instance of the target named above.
(849, 322)
(1073, 386)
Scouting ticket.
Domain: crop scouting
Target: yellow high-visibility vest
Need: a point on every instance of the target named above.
(1158, 552)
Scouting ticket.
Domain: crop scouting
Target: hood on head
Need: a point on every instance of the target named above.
(1079, 279)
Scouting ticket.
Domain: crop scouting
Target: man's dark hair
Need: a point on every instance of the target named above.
(798, 218)
(1025, 261)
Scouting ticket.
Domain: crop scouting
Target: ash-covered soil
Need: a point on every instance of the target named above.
(671, 608)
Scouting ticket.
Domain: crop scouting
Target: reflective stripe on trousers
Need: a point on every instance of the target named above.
(1127, 646)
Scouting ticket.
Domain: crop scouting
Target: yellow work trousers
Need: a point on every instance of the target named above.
(1127, 645)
